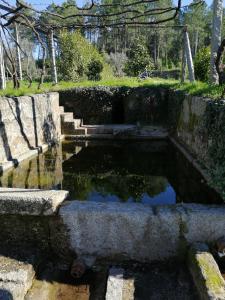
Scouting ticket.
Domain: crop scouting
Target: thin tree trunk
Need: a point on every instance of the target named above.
(52, 56)
(2, 69)
(216, 38)
(18, 54)
(184, 62)
(189, 56)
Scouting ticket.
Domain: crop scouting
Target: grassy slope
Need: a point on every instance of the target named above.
(198, 88)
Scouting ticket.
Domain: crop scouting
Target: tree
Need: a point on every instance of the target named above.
(138, 58)
(216, 38)
(76, 53)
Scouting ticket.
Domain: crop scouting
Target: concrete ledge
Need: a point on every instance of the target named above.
(30, 202)
(206, 274)
(139, 232)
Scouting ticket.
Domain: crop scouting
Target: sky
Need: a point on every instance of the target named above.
(42, 4)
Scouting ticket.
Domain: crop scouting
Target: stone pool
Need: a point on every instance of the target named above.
(148, 172)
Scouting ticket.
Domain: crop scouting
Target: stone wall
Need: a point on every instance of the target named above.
(200, 127)
(26, 124)
(107, 105)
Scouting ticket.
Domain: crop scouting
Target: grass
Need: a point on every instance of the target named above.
(197, 88)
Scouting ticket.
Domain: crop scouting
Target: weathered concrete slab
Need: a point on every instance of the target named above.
(205, 223)
(30, 202)
(115, 284)
(115, 230)
(136, 231)
(206, 274)
(15, 278)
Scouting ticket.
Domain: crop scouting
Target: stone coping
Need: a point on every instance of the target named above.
(30, 201)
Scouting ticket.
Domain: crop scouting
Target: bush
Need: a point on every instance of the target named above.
(138, 58)
(76, 53)
(94, 70)
(202, 64)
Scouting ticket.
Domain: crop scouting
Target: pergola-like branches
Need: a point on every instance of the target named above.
(95, 15)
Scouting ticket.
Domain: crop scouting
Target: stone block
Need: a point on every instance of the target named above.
(15, 278)
(30, 202)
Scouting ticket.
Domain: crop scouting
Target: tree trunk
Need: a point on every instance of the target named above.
(18, 54)
(52, 56)
(216, 38)
(184, 62)
(190, 64)
(2, 69)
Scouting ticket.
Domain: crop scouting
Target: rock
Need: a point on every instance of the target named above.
(15, 278)
(115, 284)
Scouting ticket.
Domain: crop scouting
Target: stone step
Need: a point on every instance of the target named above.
(80, 131)
(67, 117)
(99, 130)
(68, 127)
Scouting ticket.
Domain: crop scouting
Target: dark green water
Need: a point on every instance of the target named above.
(146, 172)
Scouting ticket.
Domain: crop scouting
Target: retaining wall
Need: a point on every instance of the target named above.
(107, 105)
(26, 124)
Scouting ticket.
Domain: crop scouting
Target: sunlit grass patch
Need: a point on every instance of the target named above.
(197, 88)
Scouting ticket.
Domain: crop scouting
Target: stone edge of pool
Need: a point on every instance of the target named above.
(110, 230)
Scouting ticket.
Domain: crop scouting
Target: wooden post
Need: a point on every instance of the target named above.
(18, 54)
(2, 68)
(189, 56)
(52, 56)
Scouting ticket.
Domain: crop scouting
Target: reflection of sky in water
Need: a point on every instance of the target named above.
(166, 197)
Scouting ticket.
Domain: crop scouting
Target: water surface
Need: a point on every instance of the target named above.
(146, 172)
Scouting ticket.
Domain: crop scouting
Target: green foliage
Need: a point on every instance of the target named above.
(202, 64)
(76, 54)
(94, 70)
(138, 58)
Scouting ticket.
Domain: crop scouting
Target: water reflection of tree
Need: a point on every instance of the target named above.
(123, 187)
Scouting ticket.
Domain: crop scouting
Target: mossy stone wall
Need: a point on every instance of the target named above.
(108, 105)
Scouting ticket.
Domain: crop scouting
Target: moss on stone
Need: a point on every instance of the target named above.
(205, 272)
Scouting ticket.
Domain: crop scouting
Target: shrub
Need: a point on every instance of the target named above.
(76, 53)
(202, 64)
(138, 58)
(94, 70)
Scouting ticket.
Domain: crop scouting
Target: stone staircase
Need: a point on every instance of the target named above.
(75, 129)
(69, 125)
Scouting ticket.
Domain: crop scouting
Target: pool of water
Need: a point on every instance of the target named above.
(146, 172)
